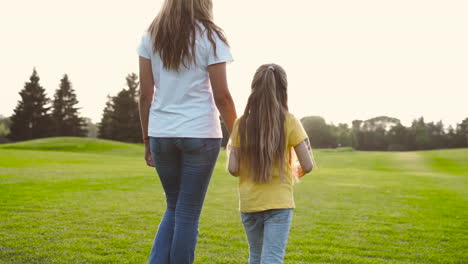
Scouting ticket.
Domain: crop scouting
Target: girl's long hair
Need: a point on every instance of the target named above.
(261, 128)
(174, 29)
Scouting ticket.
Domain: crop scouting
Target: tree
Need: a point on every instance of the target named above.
(91, 127)
(319, 133)
(420, 138)
(398, 139)
(121, 120)
(372, 134)
(31, 118)
(463, 131)
(5, 124)
(461, 135)
(65, 116)
(381, 122)
(343, 135)
(437, 135)
(105, 126)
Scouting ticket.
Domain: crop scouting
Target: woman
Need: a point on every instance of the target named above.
(181, 54)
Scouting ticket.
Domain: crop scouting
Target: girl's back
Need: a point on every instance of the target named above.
(261, 146)
(278, 192)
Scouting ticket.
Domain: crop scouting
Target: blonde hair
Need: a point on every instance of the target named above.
(261, 128)
(174, 29)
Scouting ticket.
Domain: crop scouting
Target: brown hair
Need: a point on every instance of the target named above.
(174, 29)
(261, 128)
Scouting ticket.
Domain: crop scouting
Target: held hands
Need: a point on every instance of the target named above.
(296, 165)
(297, 169)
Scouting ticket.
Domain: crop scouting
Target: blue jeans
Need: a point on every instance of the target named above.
(267, 233)
(184, 166)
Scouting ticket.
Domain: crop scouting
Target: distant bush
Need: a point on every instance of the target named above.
(397, 147)
(342, 149)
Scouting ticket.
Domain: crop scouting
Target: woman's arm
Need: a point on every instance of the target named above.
(144, 103)
(233, 166)
(303, 155)
(221, 94)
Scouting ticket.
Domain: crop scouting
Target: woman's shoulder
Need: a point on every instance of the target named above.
(201, 30)
(146, 39)
(217, 34)
(144, 48)
(145, 36)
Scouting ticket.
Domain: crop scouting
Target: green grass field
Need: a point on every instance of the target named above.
(69, 200)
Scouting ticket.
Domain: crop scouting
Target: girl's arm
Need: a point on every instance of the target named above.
(234, 158)
(144, 102)
(303, 155)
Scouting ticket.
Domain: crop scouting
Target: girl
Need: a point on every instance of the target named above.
(183, 52)
(262, 141)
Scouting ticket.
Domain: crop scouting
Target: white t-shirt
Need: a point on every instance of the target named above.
(183, 103)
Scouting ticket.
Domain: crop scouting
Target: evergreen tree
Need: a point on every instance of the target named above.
(65, 116)
(461, 137)
(105, 127)
(120, 120)
(31, 118)
(134, 127)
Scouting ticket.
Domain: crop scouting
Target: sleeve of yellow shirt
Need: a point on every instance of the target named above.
(234, 139)
(296, 133)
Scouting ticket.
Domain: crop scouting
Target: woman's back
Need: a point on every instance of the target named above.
(183, 84)
(183, 104)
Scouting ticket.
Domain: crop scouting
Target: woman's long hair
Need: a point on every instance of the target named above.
(174, 29)
(261, 128)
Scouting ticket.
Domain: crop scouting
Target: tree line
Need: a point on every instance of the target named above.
(37, 116)
(386, 133)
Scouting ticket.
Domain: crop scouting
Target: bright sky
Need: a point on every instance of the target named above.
(345, 59)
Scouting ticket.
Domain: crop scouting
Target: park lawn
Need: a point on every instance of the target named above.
(69, 200)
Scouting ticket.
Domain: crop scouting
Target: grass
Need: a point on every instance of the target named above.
(69, 200)
(74, 144)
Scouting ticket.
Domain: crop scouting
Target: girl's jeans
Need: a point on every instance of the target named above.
(267, 233)
(184, 166)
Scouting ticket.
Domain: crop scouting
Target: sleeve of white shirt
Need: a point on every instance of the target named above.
(144, 49)
(223, 52)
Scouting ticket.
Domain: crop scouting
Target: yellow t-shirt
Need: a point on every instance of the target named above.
(254, 197)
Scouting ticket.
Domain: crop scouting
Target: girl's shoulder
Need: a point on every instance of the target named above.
(291, 118)
(292, 123)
